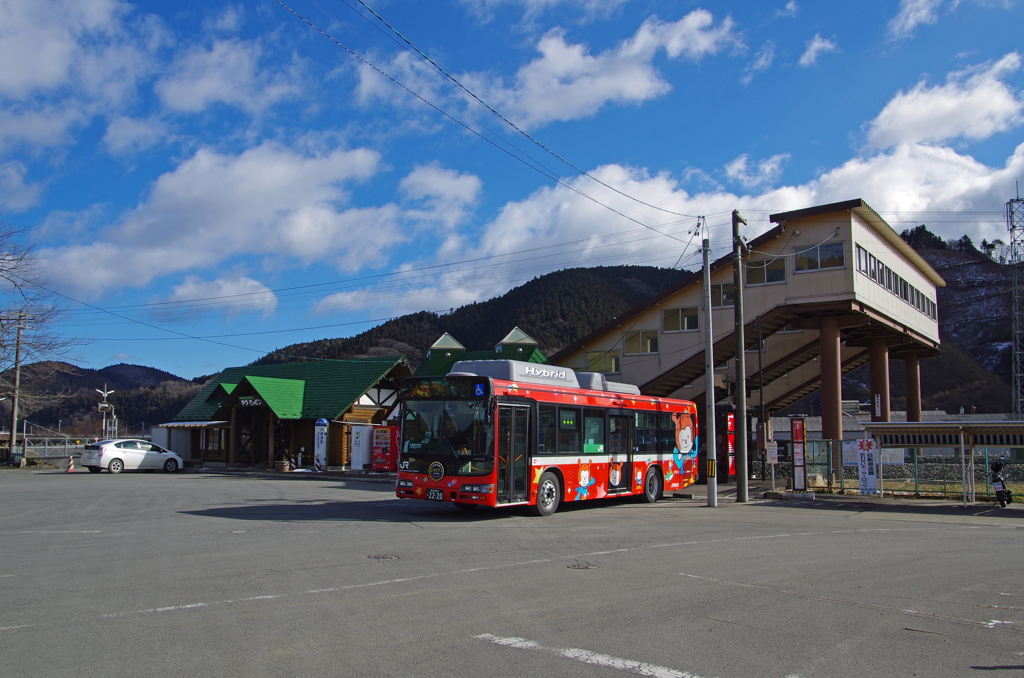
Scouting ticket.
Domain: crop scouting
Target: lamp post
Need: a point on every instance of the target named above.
(105, 407)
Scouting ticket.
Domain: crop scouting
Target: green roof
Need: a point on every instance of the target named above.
(309, 390)
(283, 396)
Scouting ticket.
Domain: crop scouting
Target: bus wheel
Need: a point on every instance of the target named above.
(652, 485)
(549, 492)
(464, 506)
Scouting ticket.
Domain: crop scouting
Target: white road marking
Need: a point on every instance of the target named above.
(59, 531)
(588, 657)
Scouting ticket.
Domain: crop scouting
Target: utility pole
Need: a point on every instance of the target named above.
(17, 387)
(710, 449)
(1015, 224)
(741, 362)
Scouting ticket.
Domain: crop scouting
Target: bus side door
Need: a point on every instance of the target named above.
(513, 436)
(620, 442)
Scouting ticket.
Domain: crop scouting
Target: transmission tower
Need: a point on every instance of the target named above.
(1015, 223)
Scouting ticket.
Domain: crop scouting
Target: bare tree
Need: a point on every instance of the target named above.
(28, 315)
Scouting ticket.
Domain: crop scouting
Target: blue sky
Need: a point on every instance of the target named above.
(207, 182)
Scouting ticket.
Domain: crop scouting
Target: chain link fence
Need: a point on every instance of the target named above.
(936, 472)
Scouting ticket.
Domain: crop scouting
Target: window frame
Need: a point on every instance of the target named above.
(679, 314)
(645, 338)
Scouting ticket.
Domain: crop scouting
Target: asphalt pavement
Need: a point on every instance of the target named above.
(200, 574)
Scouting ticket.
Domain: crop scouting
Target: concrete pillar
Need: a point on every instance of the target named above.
(831, 380)
(879, 380)
(913, 364)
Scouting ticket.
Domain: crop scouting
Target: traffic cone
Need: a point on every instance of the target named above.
(71, 465)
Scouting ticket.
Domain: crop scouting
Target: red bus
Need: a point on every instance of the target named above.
(511, 433)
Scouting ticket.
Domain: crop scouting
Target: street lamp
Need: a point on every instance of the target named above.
(105, 407)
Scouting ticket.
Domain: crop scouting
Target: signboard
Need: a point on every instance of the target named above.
(250, 401)
(772, 448)
(894, 455)
(867, 462)
(320, 445)
(850, 452)
(797, 433)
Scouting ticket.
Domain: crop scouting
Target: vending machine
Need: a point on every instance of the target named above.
(386, 443)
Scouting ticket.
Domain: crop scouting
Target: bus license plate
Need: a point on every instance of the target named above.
(436, 495)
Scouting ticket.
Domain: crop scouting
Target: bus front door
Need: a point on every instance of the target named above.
(620, 441)
(513, 434)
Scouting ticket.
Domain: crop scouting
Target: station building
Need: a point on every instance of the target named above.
(828, 289)
(252, 416)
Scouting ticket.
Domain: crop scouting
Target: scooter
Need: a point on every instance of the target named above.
(1003, 494)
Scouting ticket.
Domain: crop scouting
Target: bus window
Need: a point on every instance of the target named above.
(569, 431)
(666, 432)
(593, 431)
(618, 435)
(547, 436)
(646, 432)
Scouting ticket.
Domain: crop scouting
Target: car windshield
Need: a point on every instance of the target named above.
(453, 432)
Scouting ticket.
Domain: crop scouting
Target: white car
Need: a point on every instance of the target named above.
(128, 455)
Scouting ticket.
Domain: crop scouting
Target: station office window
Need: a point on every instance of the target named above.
(642, 341)
(603, 361)
(722, 295)
(766, 271)
(679, 319)
(820, 257)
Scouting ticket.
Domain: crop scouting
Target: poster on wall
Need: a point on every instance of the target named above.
(320, 445)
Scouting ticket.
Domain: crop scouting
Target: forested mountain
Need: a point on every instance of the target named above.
(554, 309)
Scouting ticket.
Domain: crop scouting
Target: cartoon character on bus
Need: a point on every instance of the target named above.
(615, 473)
(685, 452)
(586, 480)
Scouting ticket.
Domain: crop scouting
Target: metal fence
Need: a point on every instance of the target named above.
(926, 472)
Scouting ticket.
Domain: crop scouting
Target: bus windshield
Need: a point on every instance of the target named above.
(453, 432)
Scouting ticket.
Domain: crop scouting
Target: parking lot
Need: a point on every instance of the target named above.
(210, 575)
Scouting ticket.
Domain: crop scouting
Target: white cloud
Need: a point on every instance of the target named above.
(224, 296)
(15, 194)
(815, 48)
(766, 173)
(974, 104)
(911, 14)
(287, 207)
(909, 178)
(567, 83)
(268, 200)
(485, 8)
(761, 63)
(129, 135)
(228, 72)
(790, 10)
(66, 61)
(446, 195)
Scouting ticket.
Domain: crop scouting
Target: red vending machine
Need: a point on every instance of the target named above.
(385, 448)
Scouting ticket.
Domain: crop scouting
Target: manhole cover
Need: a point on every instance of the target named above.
(382, 556)
(582, 566)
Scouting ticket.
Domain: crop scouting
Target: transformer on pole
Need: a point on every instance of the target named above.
(1015, 224)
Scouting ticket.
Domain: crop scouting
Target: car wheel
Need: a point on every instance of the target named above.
(115, 466)
(171, 465)
(549, 494)
(94, 469)
(652, 485)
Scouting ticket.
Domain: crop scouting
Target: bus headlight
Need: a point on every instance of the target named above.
(479, 489)
(403, 483)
